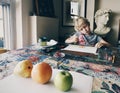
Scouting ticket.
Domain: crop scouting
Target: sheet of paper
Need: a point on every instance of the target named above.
(78, 48)
(14, 84)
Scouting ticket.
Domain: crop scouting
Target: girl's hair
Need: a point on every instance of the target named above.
(79, 22)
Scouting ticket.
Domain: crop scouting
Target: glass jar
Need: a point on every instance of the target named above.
(43, 41)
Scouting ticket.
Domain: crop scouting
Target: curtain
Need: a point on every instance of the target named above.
(7, 29)
(6, 22)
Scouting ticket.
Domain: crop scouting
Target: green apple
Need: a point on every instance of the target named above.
(63, 81)
(23, 68)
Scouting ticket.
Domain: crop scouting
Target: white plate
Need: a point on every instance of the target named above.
(51, 43)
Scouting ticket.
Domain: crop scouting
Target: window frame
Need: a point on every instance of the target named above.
(9, 23)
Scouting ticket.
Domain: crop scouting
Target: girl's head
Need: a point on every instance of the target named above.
(82, 25)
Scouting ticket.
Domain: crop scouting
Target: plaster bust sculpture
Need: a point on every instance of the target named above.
(101, 20)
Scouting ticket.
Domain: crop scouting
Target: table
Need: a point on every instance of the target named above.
(106, 77)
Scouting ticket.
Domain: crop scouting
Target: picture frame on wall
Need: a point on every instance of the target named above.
(72, 9)
(43, 8)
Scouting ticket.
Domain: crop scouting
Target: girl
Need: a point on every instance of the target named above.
(84, 36)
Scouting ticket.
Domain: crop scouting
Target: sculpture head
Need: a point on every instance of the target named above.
(102, 16)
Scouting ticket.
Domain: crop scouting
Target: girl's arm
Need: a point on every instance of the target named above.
(102, 43)
(72, 39)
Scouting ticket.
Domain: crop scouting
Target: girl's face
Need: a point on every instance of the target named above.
(85, 29)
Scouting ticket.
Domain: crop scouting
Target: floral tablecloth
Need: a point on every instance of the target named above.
(106, 78)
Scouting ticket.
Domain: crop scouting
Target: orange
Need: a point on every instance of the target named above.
(41, 73)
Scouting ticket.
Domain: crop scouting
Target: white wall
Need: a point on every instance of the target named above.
(26, 8)
(19, 35)
(90, 12)
(23, 8)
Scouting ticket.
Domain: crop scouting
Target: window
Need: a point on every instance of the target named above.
(1, 27)
(6, 36)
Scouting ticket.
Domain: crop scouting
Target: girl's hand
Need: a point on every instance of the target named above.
(99, 45)
(72, 39)
(75, 39)
(102, 43)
